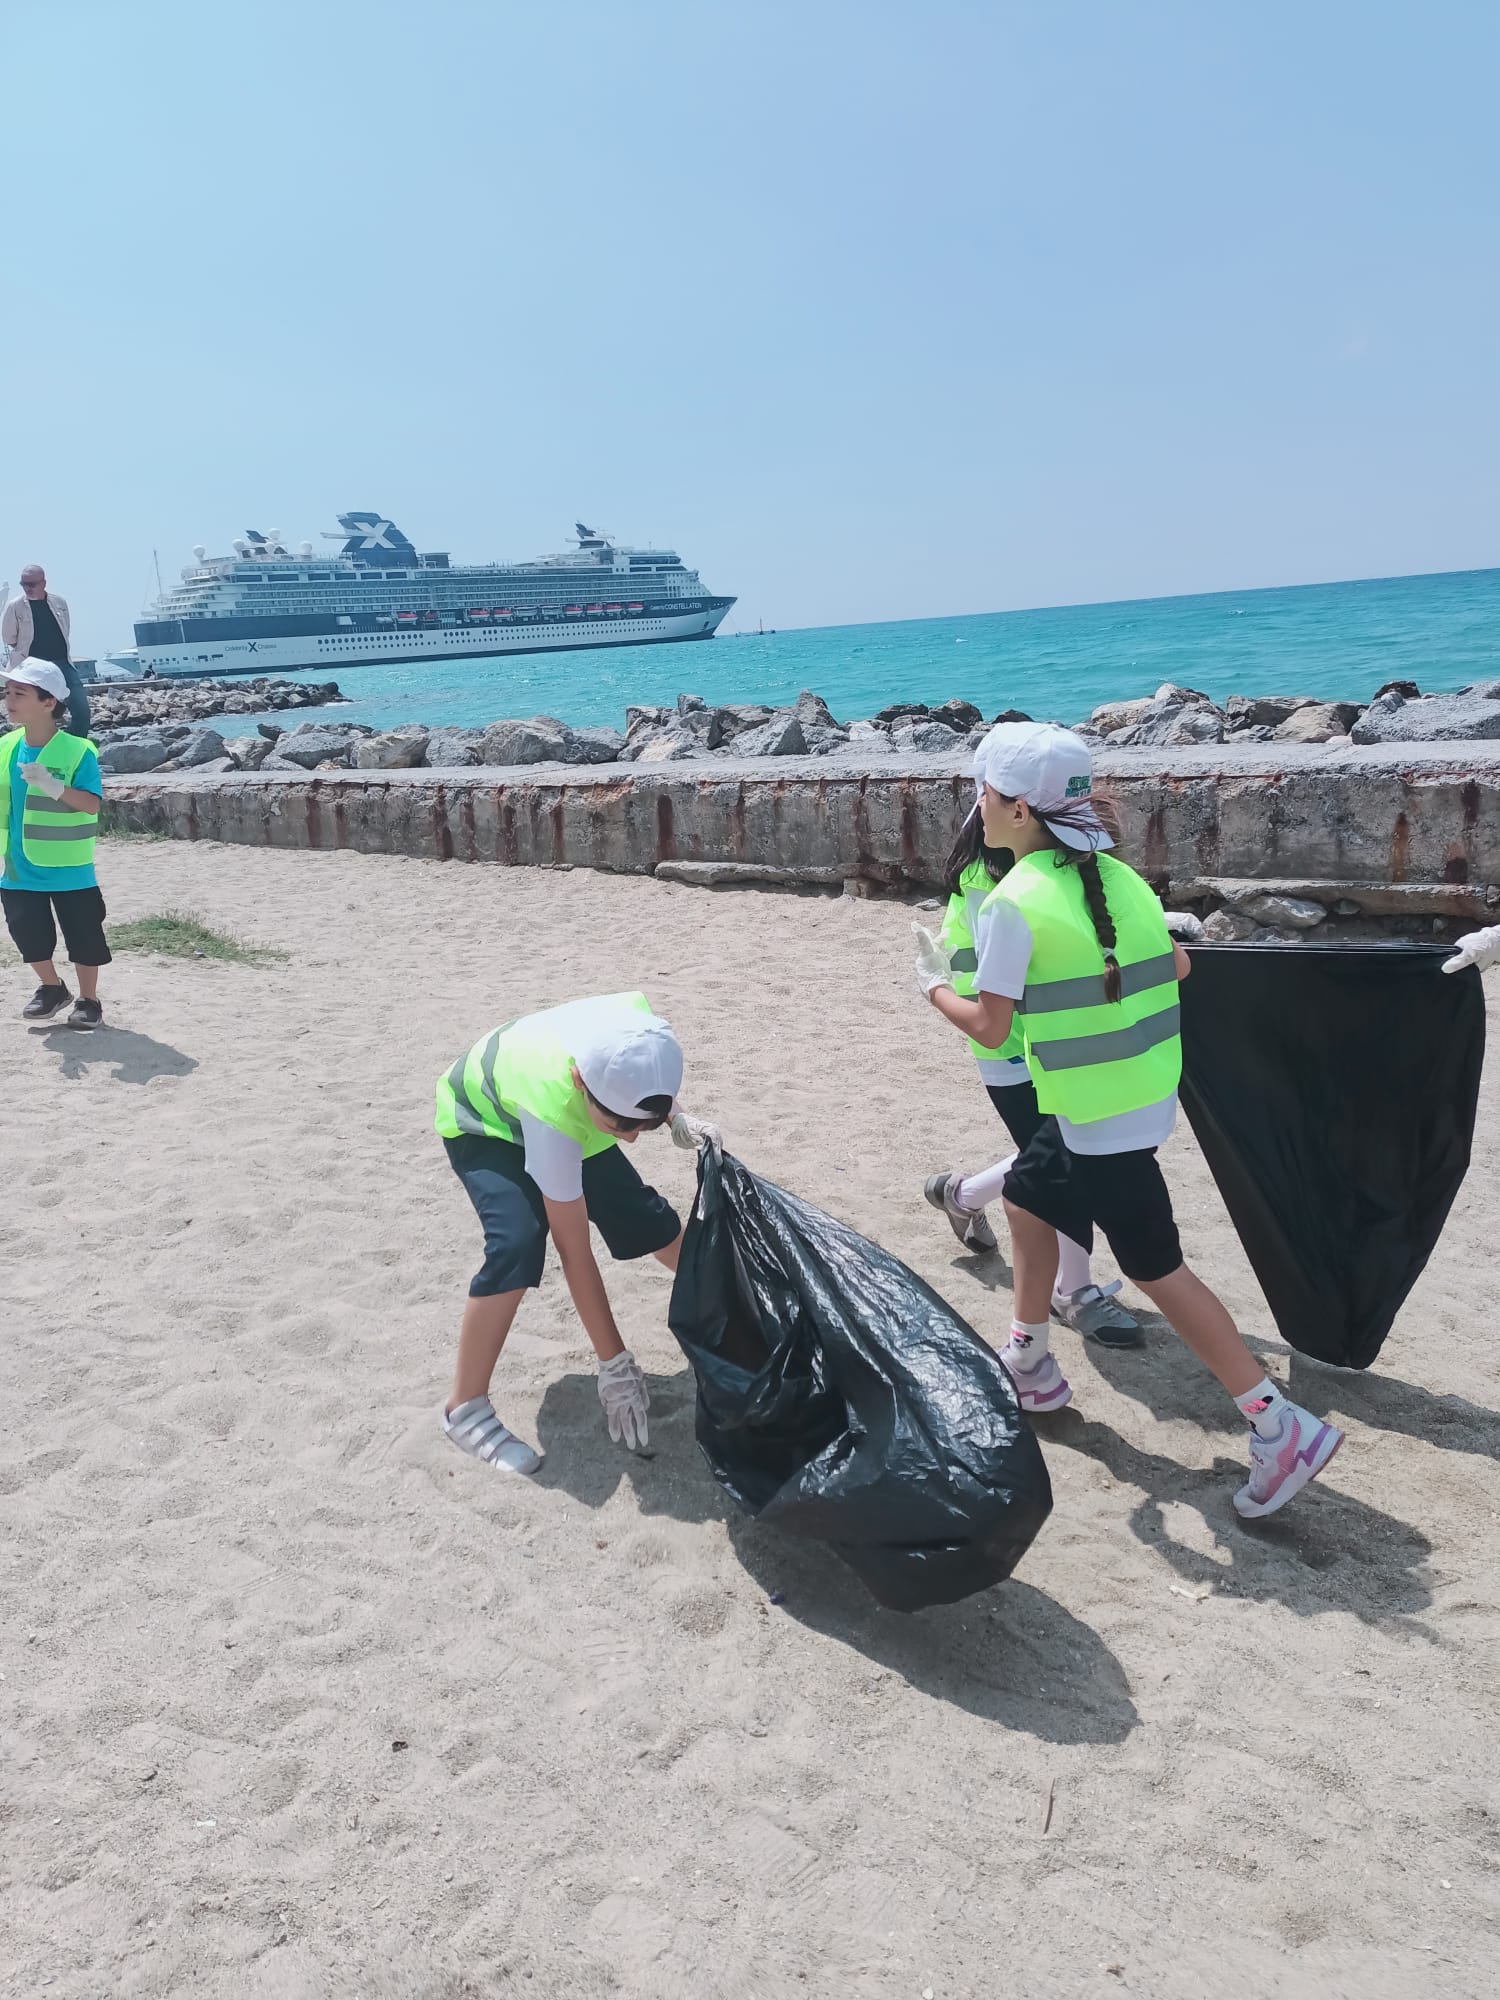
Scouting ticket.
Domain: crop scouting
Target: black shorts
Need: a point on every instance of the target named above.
(633, 1219)
(1123, 1192)
(1017, 1105)
(80, 913)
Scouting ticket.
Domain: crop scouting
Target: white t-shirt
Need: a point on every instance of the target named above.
(1003, 943)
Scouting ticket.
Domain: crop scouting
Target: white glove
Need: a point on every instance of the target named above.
(932, 968)
(1183, 924)
(691, 1133)
(626, 1399)
(1479, 948)
(47, 780)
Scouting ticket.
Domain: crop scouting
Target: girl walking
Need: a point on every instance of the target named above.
(1075, 942)
(971, 873)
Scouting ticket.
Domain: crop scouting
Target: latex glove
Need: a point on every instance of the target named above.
(932, 967)
(690, 1133)
(626, 1399)
(45, 780)
(1183, 924)
(1479, 948)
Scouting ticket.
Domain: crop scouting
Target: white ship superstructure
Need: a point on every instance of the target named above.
(266, 609)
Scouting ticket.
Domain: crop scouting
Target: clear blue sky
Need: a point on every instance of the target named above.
(875, 310)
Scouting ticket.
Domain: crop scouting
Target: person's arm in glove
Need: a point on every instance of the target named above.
(933, 968)
(625, 1399)
(1479, 948)
(690, 1133)
(1183, 924)
(48, 781)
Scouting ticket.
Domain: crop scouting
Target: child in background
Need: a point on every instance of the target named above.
(971, 872)
(51, 792)
(1076, 942)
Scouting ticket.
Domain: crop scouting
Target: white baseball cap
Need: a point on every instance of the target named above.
(1051, 769)
(40, 674)
(625, 1065)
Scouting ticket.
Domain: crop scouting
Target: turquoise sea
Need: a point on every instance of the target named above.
(1330, 639)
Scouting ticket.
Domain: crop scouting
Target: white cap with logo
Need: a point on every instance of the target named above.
(627, 1064)
(1051, 769)
(40, 674)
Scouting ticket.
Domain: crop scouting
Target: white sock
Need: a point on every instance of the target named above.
(1072, 1267)
(1031, 1340)
(979, 1190)
(1265, 1406)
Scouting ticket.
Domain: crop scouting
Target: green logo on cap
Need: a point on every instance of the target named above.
(1078, 788)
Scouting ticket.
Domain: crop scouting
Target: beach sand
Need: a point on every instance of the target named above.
(298, 1701)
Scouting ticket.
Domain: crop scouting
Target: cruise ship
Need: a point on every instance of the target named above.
(377, 601)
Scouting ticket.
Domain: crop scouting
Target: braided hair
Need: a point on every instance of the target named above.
(970, 847)
(1086, 861)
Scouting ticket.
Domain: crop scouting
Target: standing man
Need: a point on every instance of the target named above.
(36, 626)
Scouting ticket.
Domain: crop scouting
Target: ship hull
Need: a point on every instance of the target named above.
(202, 648)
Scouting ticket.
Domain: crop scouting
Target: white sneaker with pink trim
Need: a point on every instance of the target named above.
(1041, 1387)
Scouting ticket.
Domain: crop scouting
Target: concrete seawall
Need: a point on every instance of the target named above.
(1396, 829)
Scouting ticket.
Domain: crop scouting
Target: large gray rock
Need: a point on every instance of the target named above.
(274, 761)
(780, 737)
(1294, 913)
(822, 741)
(813, 712)
(1318, 722)
(397, 750)
(902, 711)
(270, 730)
(926, 737)
(1252, 711)
(447, 749)
(591, 746)
(1169, 721)
(956, 714)
(540, 740)
(1229, 927)
(146, 750)
(211, 767)
(1113, 715)
(739, 717)
(666, 746)
(309, 746)
(1435, 718)
(638, 721)
(198, 746)
(248, 752)
(870, 740)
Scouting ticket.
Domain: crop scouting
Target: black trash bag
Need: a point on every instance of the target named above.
(1333, 1089)
(841, 1399)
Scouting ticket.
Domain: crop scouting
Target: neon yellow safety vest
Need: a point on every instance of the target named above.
(1089, 1057)
(522, 1066)
(957, 936)
(52, 834)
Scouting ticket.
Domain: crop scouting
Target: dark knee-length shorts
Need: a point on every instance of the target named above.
(633, 1219)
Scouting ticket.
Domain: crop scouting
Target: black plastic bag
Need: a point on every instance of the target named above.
(839, 1397)
(1333, 1089)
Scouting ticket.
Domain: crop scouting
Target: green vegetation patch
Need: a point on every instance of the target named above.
(179, 934)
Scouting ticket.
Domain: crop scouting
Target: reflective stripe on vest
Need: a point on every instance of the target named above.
(960, 922)
(522, 1065)
(53, 835)
(1090, 1057)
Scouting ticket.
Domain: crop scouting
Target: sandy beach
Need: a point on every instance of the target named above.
(297, 1701)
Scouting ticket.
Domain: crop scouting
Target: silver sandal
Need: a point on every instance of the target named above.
(475, 1428)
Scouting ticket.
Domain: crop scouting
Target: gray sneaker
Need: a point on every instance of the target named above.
(1096, 1313)
(476, 1429)
(970, 1225)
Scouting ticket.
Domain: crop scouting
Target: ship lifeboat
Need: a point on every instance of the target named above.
(635, 607)
(501, 611)
(431, 618)
(479, 611)
(613, 610)
(594, 610)
(406, 617)
(572, 610)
